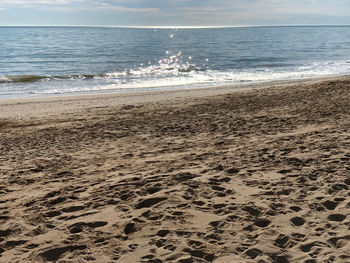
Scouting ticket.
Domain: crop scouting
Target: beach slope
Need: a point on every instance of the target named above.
(261, 175)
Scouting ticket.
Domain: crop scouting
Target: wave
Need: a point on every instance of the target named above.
(155, 71)
(173, 65)
(23, 78)
(167, 73)
(37, 78)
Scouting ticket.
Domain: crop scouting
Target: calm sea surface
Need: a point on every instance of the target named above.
(64, 60)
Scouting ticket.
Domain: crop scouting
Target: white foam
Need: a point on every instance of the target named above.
(172, 72)
(4, 79)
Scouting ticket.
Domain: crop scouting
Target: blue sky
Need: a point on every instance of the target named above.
(174, 12)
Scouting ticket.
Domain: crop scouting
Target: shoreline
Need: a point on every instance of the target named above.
(58, 104)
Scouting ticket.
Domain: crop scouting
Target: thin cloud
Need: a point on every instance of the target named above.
(125, 5)
(71, 5)
(185, 12)
(203, 9)
(119, 8)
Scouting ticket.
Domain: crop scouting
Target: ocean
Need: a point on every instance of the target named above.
(37, 61)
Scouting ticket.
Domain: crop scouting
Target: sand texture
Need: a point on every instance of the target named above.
(258, 176)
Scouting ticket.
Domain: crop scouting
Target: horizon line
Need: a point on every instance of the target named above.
(183, 27)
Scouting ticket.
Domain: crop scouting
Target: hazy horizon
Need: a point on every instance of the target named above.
(181, 27)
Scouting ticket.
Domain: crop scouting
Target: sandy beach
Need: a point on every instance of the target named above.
(260, 174)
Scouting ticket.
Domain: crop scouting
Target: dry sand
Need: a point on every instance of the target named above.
(261, 175)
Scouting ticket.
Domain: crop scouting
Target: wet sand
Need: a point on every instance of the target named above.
(214, 175)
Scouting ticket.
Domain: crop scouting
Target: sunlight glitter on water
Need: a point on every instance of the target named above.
(69, 60)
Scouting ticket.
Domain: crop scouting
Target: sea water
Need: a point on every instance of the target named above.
(36, 61)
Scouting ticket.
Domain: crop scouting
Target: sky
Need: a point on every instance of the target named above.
(174, 12)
